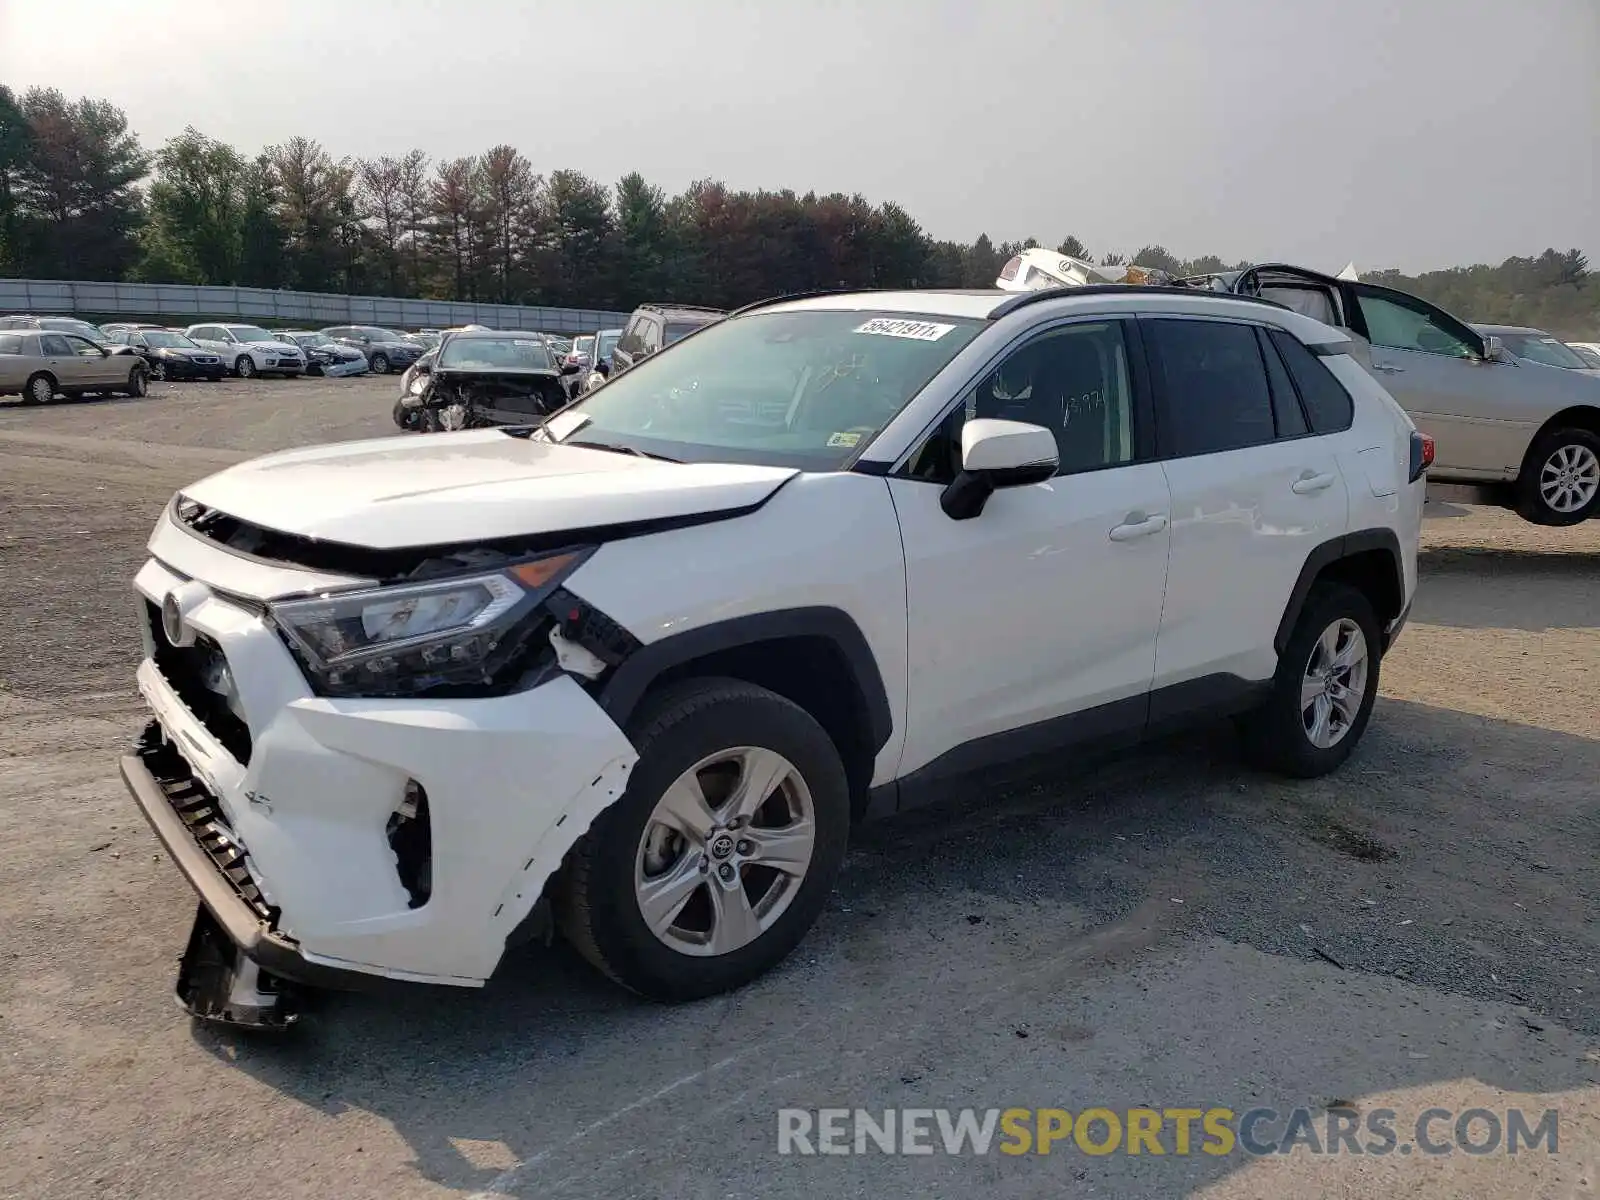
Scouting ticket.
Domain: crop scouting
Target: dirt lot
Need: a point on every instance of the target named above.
(1164, 930)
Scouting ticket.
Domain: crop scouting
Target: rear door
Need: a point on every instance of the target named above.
(1254, 490)
(71, 372)
(1434, 366)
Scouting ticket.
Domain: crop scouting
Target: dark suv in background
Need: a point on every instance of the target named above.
(653, 326)
(385, 349)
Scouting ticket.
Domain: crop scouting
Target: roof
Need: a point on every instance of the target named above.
(468, 334)
(686, 310)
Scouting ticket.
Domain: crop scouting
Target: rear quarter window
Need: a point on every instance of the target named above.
(10, 343)
(1328, 406)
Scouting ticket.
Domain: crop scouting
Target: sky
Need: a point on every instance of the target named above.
(1407, 133)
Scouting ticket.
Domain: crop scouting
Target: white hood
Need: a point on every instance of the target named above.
(456, 487)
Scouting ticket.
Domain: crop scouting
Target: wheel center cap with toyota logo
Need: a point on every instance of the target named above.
(175, 609)
(721, 846)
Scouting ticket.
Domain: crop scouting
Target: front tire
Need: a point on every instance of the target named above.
(138, 383)
(379, 364)
(158, 371)
(1324, 690)
(1560, 481)
(721, 852)
(244, 367)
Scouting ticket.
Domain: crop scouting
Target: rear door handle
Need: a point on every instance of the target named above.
(1138, 525)
(1307, 484)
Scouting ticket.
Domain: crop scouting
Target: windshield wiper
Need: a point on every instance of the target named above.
(619, 449)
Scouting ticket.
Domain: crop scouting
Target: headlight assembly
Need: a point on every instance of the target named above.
(463, 635)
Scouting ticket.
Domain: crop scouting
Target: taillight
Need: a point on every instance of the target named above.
(1421, 454)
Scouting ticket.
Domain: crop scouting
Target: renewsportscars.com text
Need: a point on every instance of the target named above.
(1175, 1131)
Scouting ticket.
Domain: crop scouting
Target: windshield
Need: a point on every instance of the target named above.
(801, 389)
(1542, 348)
(161, 339)
(494, 354)
(251, 333)
(311, 339)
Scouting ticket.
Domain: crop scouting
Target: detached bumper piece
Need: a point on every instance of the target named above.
(217, 983)
(238, 968)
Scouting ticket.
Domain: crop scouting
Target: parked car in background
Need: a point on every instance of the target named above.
(170, 355)
(1528, 436)
(1588, 351)
(605, 343)
(429, 338)
(386, 349)
(576, 363)
(124, 326)
(39, 364)
(652, 327)
(642, 666)
(483, 378)
(1537, 346)
(324, 356)
(249, 350)
(59, 324)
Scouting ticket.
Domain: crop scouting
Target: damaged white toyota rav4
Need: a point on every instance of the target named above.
(632, 674)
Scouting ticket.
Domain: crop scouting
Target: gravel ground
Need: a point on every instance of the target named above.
(1164, 929)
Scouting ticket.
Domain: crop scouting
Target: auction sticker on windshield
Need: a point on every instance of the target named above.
(921, 331)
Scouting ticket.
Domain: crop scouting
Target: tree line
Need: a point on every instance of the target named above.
(82, 198)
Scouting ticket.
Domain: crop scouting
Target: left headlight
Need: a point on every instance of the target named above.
(464, 635)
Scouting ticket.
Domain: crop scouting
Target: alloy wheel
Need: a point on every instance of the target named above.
(1570, 478)
(725, 851)
(1334, 683)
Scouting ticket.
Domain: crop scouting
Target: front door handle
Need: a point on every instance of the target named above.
(1387, 368)
(1137, 525)
(1307, 484)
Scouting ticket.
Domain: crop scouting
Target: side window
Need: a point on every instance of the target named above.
(650, 335)
(1286, 410)
(1328, 405)
(1215, 386)
(82, 347)
(1405, 323)
(1073, 380)
(55, 344)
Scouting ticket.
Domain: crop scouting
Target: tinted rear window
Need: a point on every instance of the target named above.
(678, 330)
(1327, 404)
(1215, 385)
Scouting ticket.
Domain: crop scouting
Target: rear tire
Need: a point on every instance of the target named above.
(1560, 481)
(720, 918)
(40, 389)
(1323, 692)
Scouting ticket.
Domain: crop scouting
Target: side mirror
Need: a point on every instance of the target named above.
(997, 454)
(1494, 350)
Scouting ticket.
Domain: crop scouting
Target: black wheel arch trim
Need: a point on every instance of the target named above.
(628, 683)
(1361, 541)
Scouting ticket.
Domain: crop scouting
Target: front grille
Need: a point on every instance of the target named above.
(204, 817)
(186, 670)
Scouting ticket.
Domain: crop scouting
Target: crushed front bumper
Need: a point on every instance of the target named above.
(280, 807)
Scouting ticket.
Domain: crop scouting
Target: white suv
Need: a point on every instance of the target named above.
(634, 673)
(249, 350)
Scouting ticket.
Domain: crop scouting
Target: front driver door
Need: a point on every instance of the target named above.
(95, 365)
(1434, 366)
(1034, 623)
(71, 372)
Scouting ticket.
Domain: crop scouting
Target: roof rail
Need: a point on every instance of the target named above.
(685, 307)
(1023, 299)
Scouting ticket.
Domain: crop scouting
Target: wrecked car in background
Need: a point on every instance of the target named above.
(481, 378)
(1037, 268)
